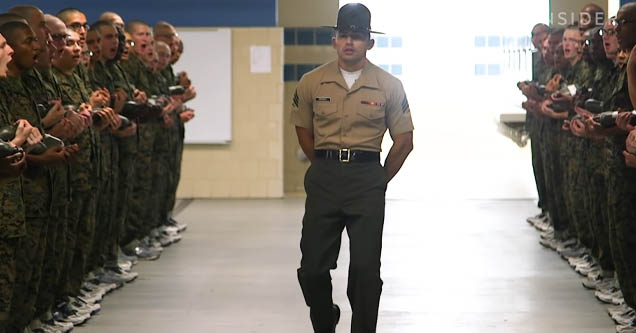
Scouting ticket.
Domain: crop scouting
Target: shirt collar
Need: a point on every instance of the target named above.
(367, 77)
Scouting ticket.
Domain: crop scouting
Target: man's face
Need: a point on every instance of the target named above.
(6, 54)
(110, 43)
(572, 41)
(141, 36)
(86, 55)
(58, 36)
(71, 52)
(163, 58)
(167, 35)
(77, 22)
(626, 30)
(351, 47)
(610, 41)
(94, 44)
(129, 43)
(26, 48)
(539, 34)
(149, 53)
(175, 49)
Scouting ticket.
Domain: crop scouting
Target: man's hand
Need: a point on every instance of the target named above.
(184, 80)
(402, 147)
(630, 143)
(186, 116)
(12, 166)
(582, 112)
(622, 121)
(630, 159)
(100, 98)
(566, 125)
(55, 114)
(86, 114)
(77, 124)
(140, 97)
(62, 130)
(190, 94)
(22, 133)
(51, 157)
(70, 152)
(120, 100)
(554, 84)
(578, 128)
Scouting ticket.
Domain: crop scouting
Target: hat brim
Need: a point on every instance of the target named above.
(336, 28)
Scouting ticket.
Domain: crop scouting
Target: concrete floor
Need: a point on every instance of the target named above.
(468, 266)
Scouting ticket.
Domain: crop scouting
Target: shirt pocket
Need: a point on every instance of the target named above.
(326, 119)
(370, 122)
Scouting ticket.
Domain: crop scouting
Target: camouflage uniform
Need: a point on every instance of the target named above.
(595, 198)
(109, 173)
(572, 158)
(12, 227)
(533, 127)
(177, 148)
(163, 157)
(551, 136)
(84, 182)
(128, 147)
(44, 87)
(621, 196)
(139, 224)
(37, 202)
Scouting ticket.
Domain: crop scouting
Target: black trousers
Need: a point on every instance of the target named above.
(351, 196)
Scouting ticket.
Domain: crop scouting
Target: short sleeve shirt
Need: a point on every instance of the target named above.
(355, 118)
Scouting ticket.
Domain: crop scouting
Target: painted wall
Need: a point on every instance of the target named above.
(184, 13)
(307, 13)
(252, 165)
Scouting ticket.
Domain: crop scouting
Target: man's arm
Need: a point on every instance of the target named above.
(402, 147)
(631, 76)
(306, 141)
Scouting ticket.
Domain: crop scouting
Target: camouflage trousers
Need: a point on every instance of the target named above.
(29, 262)
(551, 156)
(573, 158)
(622, 218)
(106, 208)
(56, 249)
(596, 204)
(164, 174)
(121, 209)
(536, 141)
(172, 193)
(138, 224)
(80, 238)
(8, 248)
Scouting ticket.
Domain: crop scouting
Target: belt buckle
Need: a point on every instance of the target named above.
(348, 158)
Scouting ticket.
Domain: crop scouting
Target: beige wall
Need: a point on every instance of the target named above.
(251, 166)
(307, 13)
(571, 6)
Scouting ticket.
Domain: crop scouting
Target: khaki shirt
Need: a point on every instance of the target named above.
(355, 118)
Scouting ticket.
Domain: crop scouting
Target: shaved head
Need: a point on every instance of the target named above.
(53, 23)
(113, 18)
(66, 12)
(8, 17)
(26, 11)
(133, 26)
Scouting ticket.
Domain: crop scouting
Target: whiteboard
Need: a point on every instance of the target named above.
(207, 58)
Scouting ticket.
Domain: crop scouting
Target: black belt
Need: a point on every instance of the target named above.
(347, 155)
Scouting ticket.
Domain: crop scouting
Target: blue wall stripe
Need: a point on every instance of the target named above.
(182, 13)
